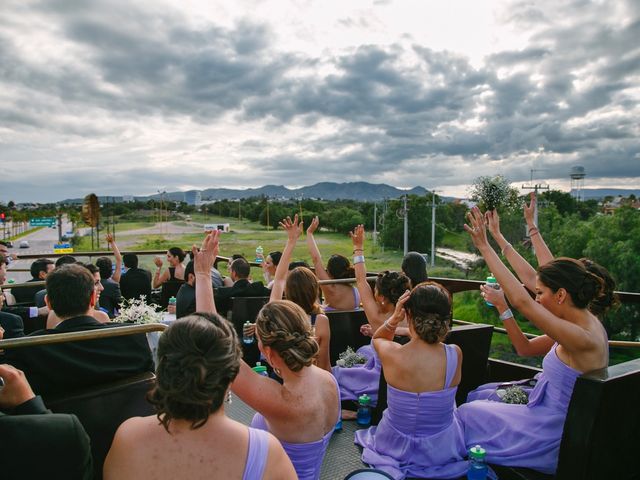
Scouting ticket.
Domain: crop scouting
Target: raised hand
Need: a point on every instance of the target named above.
(494, 296)
(158, 261)
(366, 330)
(529, 210)
(204, 257)
(109, 238)
(493, 222)
(399, 313)
(357, 237)
(293, 228)
(315, 223)
(476, 228)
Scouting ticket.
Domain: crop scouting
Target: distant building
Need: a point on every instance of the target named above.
(193, 197)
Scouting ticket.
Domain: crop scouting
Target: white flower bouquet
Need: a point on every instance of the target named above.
(349, 358)
(494, 192)
(138, 311)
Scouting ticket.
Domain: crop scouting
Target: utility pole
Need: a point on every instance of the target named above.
(535, 188)
(433, 228)
(375, 226)
(405, 215)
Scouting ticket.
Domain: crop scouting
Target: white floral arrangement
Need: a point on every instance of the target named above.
(138, 311)
(516, 395)
(349, 358)
(494, 192)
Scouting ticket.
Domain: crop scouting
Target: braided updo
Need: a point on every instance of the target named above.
(391, 285)
(285, 327)
(429, 309)
(198, 357)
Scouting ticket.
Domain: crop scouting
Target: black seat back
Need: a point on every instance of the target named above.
(102, 409)
(345, 332)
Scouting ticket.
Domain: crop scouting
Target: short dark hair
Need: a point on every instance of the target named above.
(414, 266)
(189, 269)
(69, 290)
(65, 259)
(40, 265)
(198, 357)
(241, 267)
(177, 252)
(298, 263)
(130, 260)
(429, 308)
(105, 265)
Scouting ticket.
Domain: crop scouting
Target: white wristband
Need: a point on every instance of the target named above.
(506, 314)
(358, 259)
(33, 312)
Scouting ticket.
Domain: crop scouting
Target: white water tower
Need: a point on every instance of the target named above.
(577, 181)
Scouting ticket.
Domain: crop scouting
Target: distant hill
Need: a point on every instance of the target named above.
(600, 193)
(361, 191)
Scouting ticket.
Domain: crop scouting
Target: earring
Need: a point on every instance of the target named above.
(278, 372)
(559, 302)
(228, 399)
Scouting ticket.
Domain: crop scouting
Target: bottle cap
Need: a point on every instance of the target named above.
(364, 399)
(11, 280)
(172, 299)
(259, 368)
(491, 279)
(248, 323)
(477, 453)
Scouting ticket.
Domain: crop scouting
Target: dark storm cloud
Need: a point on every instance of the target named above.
(568, 93)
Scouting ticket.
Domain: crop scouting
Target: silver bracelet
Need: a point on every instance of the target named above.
(506, 248)
(506, 314)
(358, 259)
(388, 326)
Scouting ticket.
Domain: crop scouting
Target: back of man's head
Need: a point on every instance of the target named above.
(241, 268)
(40, 266)
(189, 270)
(130, 260)
(105, 266)
(69, 290)
(65, 259)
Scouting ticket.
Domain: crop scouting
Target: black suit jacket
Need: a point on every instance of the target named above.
(242, 288)
(185, 301)
(110, 298)
(25, 295)
(39, 444)
(12, 324)
(135, 282)
(66, 367)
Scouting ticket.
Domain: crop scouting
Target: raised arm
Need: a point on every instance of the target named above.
(316, 258)
(524, 346)
(383, 338)
(159, 277)
(543, 254)
(202, 262)
(294, 230)
(565, 333)
(526, 273)
(366, 295)
(116, 254)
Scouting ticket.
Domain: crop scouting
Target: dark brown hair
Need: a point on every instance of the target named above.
(69, 289)
(608, 299)
(429, 309)
(285, 327)
(302, 288)
(583, 286)
(198, 357)
(391, 285)
(339, 267)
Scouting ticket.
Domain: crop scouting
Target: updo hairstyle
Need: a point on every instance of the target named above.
(198, 357)
(582, 286)
(414, 266)
(302, 288)
(601, 305)
(178, 252)
(284, 326)
(275, 257)
(339, 267)
(391, 285)
(429, 309)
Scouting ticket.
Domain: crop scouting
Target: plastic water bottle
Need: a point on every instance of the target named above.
(363, 417)
(247, 338)
(493, 283)
(259, 254)
(477, 464)
(171, 307)
(338, 427)
(260, 369)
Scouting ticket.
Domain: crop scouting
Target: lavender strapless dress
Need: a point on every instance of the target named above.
(306, 457)
(524, 435)
(356, 381)
(419, 434)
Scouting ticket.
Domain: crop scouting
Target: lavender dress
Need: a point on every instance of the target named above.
(257, 454)
(306, 457)
(419, 434)
(524, 435)
(361, 379)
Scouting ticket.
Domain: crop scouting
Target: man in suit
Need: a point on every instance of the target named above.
(186, 297)
(35, 442)
(135, 281)
(65, 367)
(39, 271)
(111, 297)
(13, 318)
(241, 287)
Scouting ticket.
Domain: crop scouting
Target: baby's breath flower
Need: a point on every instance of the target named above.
(494, 192)
(349, 358)
(138, 311)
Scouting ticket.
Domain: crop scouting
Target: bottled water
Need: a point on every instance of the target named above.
(477, 465)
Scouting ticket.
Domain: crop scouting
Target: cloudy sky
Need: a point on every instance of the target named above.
(119, 97)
